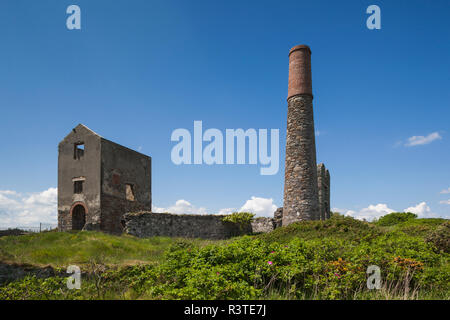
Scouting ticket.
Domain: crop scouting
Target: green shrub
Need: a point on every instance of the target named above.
(440, 238)
(338, 226)
(242, 219)
(250, 268)
(395, 218)
(32, 288)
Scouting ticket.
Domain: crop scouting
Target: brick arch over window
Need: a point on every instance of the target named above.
(78, 213)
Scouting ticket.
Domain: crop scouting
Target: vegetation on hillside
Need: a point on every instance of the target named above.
(395, 218)
(59, 249)
(305, 260)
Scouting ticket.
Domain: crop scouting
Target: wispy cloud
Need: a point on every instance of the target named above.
(445, 202)
(421, 140)
(445, 191)
(8, 192)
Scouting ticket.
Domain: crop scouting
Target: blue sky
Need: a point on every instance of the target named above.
(137, 70)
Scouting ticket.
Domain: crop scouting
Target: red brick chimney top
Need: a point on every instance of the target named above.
(300, 47)
(299, 71)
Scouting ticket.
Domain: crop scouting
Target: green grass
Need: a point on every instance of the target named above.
(59, 249)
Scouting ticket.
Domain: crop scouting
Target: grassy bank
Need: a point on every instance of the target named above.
(60, 249)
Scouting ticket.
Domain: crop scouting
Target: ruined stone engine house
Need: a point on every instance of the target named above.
(105, 186)
(99, 181)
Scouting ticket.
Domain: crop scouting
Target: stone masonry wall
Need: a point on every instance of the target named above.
(113, 208)
(323, 183)
(263, 225)
(150, 224)
(278, 217)
(327, 195)
(300, 181)
(321, 190)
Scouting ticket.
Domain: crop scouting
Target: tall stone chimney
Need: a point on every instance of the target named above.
(300, 177)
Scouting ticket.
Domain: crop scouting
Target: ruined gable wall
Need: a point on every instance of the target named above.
(88, 166)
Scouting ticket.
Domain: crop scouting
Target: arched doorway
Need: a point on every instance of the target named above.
(78, 216)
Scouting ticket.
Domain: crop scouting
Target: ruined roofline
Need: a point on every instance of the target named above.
(92, 131)
(121, 146)
(80, 125)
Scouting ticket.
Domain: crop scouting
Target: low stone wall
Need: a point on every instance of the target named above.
(13, 272)
(150, 224)
(12, 232)
(262, 225)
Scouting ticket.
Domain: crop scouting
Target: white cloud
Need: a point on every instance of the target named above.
(227, 211)
(369, 213)
(422, 210)
(421, 140)
(445, 191)
(181, 207)
(445, 201)
(48, 196)
(8, 192)
(28, 210)
(261, 207)
(376, 211)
